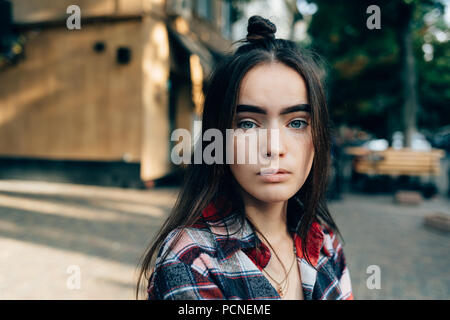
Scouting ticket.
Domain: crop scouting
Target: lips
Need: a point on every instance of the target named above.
(271, 171)
(274, 175)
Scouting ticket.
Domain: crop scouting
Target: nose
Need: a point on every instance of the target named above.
(275, 146)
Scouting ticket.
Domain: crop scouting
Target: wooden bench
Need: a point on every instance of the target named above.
(394, 162)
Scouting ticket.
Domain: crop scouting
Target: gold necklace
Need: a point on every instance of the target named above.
(281, 286)
(280, 289)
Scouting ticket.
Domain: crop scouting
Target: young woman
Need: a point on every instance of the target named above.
(240, 230)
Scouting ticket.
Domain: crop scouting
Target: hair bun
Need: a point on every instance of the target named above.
(260, 29)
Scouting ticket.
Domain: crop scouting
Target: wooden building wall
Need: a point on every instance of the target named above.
(67, 101)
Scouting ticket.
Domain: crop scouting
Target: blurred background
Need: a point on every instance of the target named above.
(90, 94)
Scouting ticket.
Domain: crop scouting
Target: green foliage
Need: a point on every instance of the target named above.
(364, 66)
(434, 86)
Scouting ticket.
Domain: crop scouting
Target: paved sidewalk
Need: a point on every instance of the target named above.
(414, 259)
(45, 228)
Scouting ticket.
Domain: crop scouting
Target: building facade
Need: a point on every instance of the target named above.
(113, 90)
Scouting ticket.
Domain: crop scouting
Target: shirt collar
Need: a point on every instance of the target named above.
(230, 236)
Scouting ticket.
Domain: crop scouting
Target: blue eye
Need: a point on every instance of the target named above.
(296, 124)
(246, 124)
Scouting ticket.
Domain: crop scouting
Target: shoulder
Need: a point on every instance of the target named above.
(331, 244)
(333, 261)
(332, 253)
(182, 265)
(185, 244)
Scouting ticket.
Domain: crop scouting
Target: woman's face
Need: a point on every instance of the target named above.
(272, 96)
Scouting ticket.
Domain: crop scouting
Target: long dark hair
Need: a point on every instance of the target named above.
(206, 183)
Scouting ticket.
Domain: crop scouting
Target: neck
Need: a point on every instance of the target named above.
(269, 218)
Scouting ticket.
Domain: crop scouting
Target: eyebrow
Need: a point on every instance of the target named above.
(255, 109)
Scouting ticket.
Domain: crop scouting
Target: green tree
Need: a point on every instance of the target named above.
(378, 79)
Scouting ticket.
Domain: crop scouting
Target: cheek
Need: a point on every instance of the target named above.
(242, 167)
(245, 150)
(304, 153)
(241, 145)
(239, 170)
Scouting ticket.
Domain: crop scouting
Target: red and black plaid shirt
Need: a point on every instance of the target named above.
(217, 259)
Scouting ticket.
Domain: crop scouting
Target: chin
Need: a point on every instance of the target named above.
(274, 192)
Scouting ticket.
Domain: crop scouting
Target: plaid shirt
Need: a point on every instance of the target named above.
(207, 264)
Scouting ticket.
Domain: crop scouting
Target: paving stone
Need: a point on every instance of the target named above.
(408, 197)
